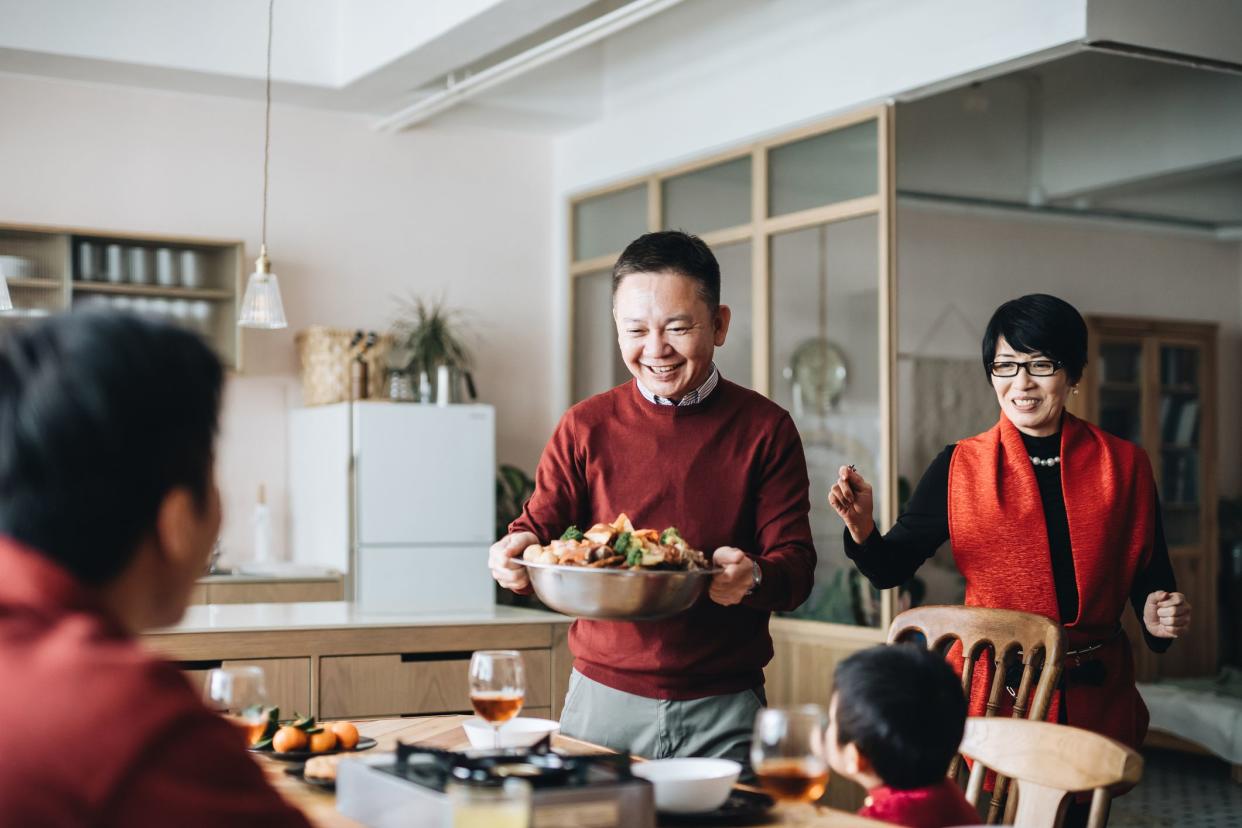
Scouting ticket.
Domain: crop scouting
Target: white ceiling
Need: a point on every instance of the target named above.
(1090, 131)
(368, 56)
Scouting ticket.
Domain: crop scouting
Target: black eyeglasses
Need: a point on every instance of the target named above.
(1034, 368)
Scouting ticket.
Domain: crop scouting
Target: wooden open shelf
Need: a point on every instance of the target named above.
(56, 282)
(157, 291)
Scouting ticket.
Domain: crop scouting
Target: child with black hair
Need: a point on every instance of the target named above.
(895, 722)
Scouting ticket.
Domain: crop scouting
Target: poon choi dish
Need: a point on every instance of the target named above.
(618, 545)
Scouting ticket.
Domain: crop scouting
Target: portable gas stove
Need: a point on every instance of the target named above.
(406, 788)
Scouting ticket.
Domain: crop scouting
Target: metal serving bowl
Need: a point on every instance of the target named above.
(617, 594)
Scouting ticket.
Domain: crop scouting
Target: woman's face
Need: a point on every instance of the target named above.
(1032, 404)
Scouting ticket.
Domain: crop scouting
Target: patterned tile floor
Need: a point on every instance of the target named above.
(1180, 790)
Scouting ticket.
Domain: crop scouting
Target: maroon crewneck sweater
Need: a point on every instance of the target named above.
(728, 471)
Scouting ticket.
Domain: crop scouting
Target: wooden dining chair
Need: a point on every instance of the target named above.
(1038, 643)
(1048, 763)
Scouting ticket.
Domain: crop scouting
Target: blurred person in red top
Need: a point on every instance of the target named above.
(895, 723)
(108, 512)
(681, 446)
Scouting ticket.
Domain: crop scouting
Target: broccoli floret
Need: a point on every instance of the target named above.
(671, 536)
(622, 544)
(635, 556)
(572, 533)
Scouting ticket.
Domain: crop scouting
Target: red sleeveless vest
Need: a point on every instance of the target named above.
(1000, 544)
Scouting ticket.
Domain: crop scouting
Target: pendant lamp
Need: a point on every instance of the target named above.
(261, 306)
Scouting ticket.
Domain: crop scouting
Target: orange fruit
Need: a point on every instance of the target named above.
(287, 739)
(323, 741)
(346, 734)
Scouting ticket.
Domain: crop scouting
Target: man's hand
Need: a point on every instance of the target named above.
(1166, 614)
(500, 560)
(850, 497)
(730, 586)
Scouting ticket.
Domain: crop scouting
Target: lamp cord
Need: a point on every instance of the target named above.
(267, 115)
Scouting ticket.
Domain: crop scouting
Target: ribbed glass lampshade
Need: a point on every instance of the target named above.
(6, 302)
(261, 306)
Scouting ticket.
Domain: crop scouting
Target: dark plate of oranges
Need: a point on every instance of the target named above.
(300, 738)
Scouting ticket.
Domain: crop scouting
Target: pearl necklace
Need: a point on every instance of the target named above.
(1041, 461)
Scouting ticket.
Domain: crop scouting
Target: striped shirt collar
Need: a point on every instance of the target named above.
(693, 398)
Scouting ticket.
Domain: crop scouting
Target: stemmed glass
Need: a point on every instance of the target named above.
(788, 754)
(497, 686)
(240, 695)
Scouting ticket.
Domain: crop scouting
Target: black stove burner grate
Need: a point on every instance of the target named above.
(433, 767)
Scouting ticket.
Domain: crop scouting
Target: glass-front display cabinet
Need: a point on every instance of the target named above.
(802, 226)
(1153, 382)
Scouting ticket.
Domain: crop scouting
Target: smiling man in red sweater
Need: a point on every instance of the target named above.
(677, 446)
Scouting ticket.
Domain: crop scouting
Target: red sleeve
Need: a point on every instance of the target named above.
(786, 551)
(560, 497)
(197, 773)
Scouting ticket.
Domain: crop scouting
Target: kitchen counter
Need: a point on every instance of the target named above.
(335, 615)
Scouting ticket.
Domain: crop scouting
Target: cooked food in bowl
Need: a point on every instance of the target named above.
(618, 545)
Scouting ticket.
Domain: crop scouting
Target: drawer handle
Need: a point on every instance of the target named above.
(451, 655)
(208, 664)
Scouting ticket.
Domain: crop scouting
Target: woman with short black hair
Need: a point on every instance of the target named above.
(1046, 513)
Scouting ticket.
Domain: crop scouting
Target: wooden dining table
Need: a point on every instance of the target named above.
(446, 732)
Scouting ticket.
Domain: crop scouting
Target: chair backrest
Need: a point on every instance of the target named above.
(1048, 762)
(1040, 640)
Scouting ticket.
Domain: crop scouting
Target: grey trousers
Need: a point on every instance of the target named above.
(657, 729)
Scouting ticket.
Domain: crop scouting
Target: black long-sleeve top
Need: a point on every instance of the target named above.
(891, 559)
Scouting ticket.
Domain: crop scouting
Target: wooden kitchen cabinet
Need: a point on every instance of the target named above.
(364, 670)
(288, 679)
(270, 591)
(399, 684)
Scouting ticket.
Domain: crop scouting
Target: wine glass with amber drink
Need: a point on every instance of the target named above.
(788, 755)
(240, 695)
(497, 686)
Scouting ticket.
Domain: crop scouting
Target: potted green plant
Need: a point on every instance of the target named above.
(427, 335)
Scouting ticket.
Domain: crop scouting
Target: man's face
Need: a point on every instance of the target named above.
(666, 332)
(187, 531)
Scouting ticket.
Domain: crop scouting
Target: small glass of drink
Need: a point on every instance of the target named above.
(240, 695)
(497, 686)
(788, 755)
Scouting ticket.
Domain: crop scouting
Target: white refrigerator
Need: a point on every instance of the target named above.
(399, 496)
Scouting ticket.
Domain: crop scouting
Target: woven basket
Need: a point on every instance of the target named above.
(325, 356)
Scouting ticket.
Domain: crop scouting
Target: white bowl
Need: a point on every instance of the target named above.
(688, 785)
(517, 732)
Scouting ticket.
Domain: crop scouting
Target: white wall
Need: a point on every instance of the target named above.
(356, 220)
(952, 260)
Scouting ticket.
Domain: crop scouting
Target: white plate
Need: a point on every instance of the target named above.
(517, 732)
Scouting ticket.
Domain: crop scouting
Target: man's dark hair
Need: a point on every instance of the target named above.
(903, 707)
(1040, 323)
(672, 251)
(101, 416)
